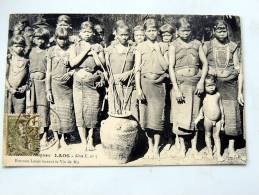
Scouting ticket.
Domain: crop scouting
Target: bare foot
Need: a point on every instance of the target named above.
(167, 147)
(219, 158)
(177, 145)
(209, 155)
(181, 153)
(195, 154)
(63, 144)
(149, 154)
(90, 145)
(156, 153)
(59, 145)
(232, 154)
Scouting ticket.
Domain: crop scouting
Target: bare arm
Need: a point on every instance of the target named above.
(74, 59)
(204, 63)
(99, 58)
(171, 59)
(138, 76)
(48, 80)
(240, 78)
(204, 71)
(179, 95)
(222, 112)
(7, 84)
(162, 58)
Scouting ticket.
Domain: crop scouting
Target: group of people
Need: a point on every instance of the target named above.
(65, 79)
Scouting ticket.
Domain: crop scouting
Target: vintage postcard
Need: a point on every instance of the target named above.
(124, 90)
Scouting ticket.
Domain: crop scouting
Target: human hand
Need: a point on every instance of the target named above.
(179, 96)
(157, 47)
(50, 96)
(85, 46)
(140, 95)
(222, 124)
(124, 77)
(199, 88)
(12, 90)
(92, 52)
(240, 99)
(22, 89)
(66, 76)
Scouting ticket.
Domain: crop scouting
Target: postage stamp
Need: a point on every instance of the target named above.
(23, 134)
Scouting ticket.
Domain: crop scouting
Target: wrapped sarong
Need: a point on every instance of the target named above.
(16, 102)
(152, 110)
(228, 89)
(86, 100)
(38, 102)
(184, 114)
(62, 113)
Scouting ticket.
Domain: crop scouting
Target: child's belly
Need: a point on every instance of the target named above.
(212, 111)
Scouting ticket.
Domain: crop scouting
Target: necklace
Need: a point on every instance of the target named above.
(19, 66)
(216, 57)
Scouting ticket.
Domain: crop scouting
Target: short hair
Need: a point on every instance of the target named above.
(64, 18)
(210, 77)
(41, 33)
(117, 24)
(183, 22)
(167, 28)
(87, 25)
(61, 33)
(150, 22)
(138, 28)
(98, 28)
(18, 40)
(122, 26)
(18, 26)
(220, 22)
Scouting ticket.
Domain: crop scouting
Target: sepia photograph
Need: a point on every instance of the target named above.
(124, 90)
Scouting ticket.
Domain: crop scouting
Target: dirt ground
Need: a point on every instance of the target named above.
(168, 156)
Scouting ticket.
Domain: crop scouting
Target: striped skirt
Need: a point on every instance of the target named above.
(62, 115)
(86, 102)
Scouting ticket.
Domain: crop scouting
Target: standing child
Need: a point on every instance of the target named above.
(167, 31)
(188, 84)
(99, 35)
(120, 60)
(17, 76)
(64, 21)
(213, 114)
(151, 66)
(59, 87)
(224, 63)
(139, 34)
(38, 68)
(87, 57)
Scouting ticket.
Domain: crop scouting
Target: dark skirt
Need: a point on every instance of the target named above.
(39, 103)
(228, 90)
(183, 115)
(152, 110)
